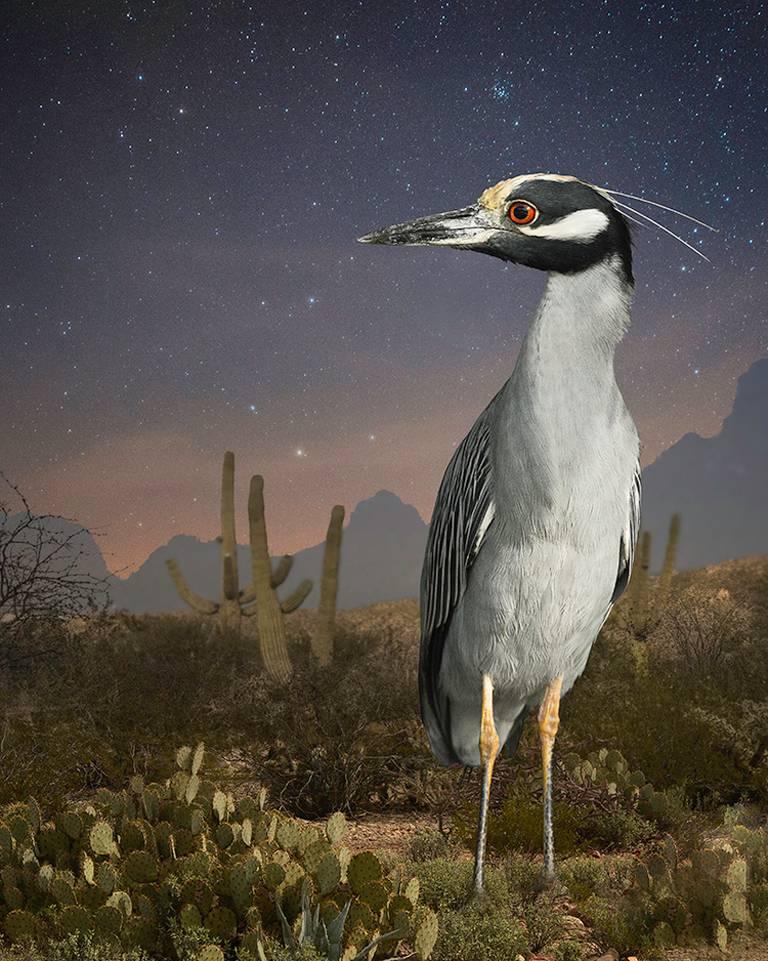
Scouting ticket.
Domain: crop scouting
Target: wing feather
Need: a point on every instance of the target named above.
(629, 536)
(463, 512)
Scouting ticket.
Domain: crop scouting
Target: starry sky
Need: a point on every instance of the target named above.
(181, 186)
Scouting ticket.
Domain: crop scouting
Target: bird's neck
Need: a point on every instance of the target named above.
(562, 408)
(582, 318)
(564, 379)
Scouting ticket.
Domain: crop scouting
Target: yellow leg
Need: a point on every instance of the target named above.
(489, 750)
(549, 721)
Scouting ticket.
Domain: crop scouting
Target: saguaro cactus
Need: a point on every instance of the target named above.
(269, 609)
(670, 559)
(235, 603)
(322, 640)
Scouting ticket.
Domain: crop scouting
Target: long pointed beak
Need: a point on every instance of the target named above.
(454, 228)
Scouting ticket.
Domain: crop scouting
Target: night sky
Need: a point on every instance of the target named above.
(181, 186)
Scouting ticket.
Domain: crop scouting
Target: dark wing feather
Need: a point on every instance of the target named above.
(629, 538)
(463, 510)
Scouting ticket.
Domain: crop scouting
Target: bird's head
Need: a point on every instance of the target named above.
(545, 221)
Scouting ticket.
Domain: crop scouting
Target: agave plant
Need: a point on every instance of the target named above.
(326, 938)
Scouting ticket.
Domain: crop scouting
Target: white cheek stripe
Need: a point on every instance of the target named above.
(581, 226)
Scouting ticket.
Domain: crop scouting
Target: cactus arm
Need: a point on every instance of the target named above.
(279, 574)
(282, 570)
(296, 598)
(322, 639)
(229, 579)
(269, 617)
(195, 601)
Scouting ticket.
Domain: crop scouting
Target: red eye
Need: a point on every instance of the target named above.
(521, 212)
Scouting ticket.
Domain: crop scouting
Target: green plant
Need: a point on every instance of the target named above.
(446, 884)
(76, 947)
(325, 628)
(473, 933)
(670, 559)
(518, 825)
(427, 844)
(259, 597)
(181, 865)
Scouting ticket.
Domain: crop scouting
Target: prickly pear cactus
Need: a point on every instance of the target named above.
(117, 867)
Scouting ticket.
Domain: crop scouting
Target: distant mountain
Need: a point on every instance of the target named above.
(382, 550)
(78, 544)
(719, 485)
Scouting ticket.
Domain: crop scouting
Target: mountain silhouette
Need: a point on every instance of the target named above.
(382, 550)
(717, 484)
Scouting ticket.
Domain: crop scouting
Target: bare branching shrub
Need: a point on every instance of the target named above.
(43, 577)
(702, 628)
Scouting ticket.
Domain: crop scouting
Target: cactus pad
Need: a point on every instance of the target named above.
(197, 891)
(224, 835)
(220, 805)
(136, 784)
(375, 895)
(425, 933)
(141, 867)
(336, 827)
(328, 873)
(221, 922)
(363, 868)
(63, 890)
(184, 758)
(273, 874)
(102, 839)
(196, 761)
(108, 920)
(122, 901)
(74, 919)
(210, 952)
(190, 917)
(412, 891)
(20, 925)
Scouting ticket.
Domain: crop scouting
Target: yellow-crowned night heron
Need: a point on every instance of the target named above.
(534, 527)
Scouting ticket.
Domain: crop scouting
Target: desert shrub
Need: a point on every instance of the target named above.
(616, 829)
(569, 951)
(758, 903)
(523, 876)
(447, 885)
(275, 951)
(622, 926)
(586, 876)
(518, 825)
(428, 844)
(107, 709)
(542, 921)
(77, 947)
(342, 737)
(667, 733)
(472, 933)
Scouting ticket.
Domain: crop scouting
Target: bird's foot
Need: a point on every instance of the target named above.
(546, 880)
(480, 899)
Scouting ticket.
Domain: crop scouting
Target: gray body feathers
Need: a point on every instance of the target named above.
(534, 528)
